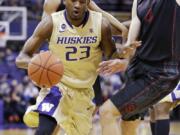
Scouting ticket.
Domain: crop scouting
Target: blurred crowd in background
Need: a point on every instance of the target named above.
(16, 90)
(35, 7)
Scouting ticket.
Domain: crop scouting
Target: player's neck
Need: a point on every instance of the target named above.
(79, 22)
(76, 23)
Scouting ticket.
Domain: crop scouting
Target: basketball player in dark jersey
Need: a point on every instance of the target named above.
(154, 71)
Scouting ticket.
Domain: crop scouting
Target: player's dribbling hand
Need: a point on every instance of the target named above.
(128, 50)
(112, 66)
(22, 61)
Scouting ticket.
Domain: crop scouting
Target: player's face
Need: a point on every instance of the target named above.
(76, 8)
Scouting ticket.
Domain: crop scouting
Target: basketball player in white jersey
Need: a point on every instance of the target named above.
(78, 37)
(51, 6)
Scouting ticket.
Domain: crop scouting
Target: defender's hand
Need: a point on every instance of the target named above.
(112, 66)
(128, 50)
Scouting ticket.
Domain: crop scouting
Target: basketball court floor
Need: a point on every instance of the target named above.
(142, 130)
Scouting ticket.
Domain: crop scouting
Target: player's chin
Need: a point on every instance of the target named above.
(75, 17)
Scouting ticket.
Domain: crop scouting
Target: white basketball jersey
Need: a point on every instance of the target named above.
(77, 47)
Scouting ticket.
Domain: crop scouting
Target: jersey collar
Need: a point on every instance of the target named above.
(83, 23)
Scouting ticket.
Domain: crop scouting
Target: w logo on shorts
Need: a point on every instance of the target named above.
(50, 102)
(46, 107)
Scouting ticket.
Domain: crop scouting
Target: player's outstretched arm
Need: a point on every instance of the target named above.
(109, 50)
(134, 26)
(129, 48)
(50, 6)
(42, 32)
(113, 66)
(107, 44)
(117, 27)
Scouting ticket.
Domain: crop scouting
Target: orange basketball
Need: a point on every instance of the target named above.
(45, 69)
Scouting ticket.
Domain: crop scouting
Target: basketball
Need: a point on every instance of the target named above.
(45, 69)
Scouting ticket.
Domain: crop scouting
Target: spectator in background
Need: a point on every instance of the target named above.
(110, 85)
(30, 92)
(12, 85)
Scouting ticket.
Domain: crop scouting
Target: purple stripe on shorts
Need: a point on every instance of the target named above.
(178, 87)
(176, 93)
(174, 97)
(50, 102)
